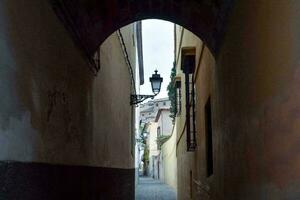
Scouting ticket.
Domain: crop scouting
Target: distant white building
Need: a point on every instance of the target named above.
(159, 130)
(148, 124)
(149, 110)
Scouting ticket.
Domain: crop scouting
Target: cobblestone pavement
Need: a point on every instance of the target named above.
(150, 189)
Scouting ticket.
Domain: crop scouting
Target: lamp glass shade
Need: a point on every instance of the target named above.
(156, 81)
(156, 87)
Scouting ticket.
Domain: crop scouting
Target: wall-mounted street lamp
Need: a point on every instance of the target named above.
(156, 81)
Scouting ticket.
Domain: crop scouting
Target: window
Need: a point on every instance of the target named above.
(164, 103)
(188, 67)
(158, 131)
(209, 138)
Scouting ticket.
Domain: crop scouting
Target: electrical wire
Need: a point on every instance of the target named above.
(121, 38)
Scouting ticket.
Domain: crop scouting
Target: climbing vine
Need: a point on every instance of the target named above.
(161, 140)
(172, 94)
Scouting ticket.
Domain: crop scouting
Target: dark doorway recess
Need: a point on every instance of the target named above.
(209, 138)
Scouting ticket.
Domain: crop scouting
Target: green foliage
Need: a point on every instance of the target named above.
(142, 138)
(146, 155)
(161, 140)
(143, 141)
(172, 94)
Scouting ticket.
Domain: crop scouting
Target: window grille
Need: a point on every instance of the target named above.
(188, 67)
(178, 97)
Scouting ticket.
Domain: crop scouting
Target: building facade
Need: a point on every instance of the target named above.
(154, 118)
(194, 66)
(148, 110)
(159, 131)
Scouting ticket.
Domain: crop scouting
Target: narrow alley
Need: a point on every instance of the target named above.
(203, 96)
(150, 189)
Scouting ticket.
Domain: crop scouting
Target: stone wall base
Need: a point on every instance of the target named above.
(37, 181)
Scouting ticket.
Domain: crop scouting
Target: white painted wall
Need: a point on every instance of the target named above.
(153, 151)
(165, 122)
(169, 161)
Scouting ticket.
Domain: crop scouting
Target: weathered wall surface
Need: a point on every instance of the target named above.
(46, 84)
(52, 110)
(256, 106)
(112, 114)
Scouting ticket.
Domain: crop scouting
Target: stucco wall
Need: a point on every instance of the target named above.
(52, 106)
(169, 161)
(46, 84)
(192, 165)
(53, 109)
(113, 127)
(165, 123)
(257, 103)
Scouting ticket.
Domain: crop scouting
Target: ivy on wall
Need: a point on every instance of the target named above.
(172, 94)
(161, 140)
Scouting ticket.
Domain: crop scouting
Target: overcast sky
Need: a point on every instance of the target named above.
(158, 52)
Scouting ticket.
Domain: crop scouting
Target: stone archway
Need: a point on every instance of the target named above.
(91, 21)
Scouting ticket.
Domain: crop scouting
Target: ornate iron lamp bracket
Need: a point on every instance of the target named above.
(136, 99)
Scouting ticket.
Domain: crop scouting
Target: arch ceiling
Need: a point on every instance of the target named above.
(92, 21)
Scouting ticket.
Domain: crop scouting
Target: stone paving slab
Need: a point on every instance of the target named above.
(150, 189)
